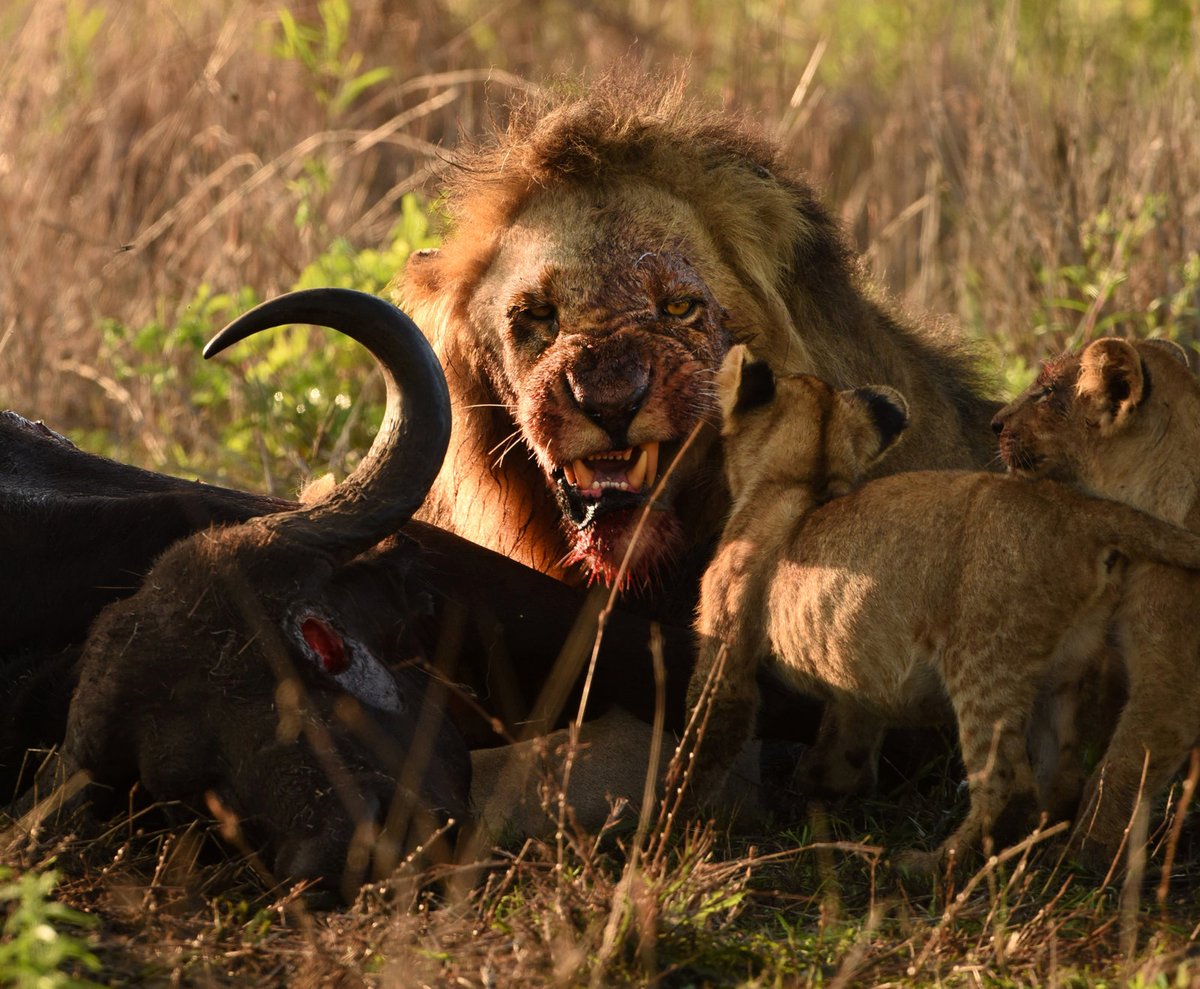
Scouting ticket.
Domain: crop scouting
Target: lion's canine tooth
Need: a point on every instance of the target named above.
(637, 473)
(569, 474)
(651, 462)
(583, 475)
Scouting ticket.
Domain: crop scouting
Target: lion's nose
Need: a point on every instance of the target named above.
(998, 424)
(609, 382)
(614, 414)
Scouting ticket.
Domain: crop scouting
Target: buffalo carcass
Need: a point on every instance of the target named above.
(77, 531)
(255, 661)
(83, 530)
(179, 681)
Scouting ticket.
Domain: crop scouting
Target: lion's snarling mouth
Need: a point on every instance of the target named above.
(609, 479)
(602, 497)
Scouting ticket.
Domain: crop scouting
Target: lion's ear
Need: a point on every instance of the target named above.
(422, 272)
(743, 383)
(1112, 382)
(1171, 349)
(878, 417)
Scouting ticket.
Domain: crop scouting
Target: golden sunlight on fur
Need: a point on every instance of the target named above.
(1121, 420)
(916, 598)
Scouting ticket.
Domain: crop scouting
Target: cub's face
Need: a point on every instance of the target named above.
(799, 431)
(1042, 432)
(1120, 419)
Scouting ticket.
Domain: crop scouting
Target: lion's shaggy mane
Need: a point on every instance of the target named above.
(791, 284)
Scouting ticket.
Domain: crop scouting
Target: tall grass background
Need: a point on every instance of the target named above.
(1027, 173)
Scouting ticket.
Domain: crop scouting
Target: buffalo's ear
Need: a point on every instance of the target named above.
(743, 383)
(1112, 382)
(878, 417)
(422, 272)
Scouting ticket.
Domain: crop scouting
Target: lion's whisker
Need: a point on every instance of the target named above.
(507, 439)
(516, 439)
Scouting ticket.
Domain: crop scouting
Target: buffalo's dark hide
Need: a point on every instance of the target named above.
(83, 530)
(78, 531)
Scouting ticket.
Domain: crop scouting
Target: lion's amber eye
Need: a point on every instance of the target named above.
(542, 312)
(679, 308)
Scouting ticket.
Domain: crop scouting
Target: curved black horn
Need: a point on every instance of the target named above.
(394, 477)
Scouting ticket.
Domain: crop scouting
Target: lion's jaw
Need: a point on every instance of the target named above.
(615, 482)
(622, 527)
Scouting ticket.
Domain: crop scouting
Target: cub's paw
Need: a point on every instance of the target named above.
(1096, 857)
(702, 794)
(926, 868)
(921, 866)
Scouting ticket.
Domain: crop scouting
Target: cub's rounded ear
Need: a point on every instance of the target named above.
(1112, 382)
(880, 416)
(1171, 349)
(743, 383)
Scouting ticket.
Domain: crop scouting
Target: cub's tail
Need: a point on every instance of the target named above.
(1140, 536)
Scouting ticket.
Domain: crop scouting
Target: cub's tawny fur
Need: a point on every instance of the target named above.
(912, 599)
(1122, 420)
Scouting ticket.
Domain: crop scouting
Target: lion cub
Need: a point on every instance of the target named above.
(916, 598)
(1122, 420)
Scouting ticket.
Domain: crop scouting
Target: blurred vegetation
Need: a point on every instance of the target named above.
(278, 407)
(1025, 172)
(40, 948)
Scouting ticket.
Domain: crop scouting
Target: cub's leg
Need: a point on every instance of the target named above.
(1054, 747)
(845, 758)
(1161, 719)
(722, 712)
(1075, 713)
(730, 630)
(992, 700)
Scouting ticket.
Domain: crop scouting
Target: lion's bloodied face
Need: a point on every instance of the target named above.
(604, 349)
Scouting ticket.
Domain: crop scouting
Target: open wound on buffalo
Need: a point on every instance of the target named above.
(327, 644)
(346, 661)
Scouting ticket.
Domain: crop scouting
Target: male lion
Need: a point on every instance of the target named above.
(1121, 419)
(918, 598)
(603, 254)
